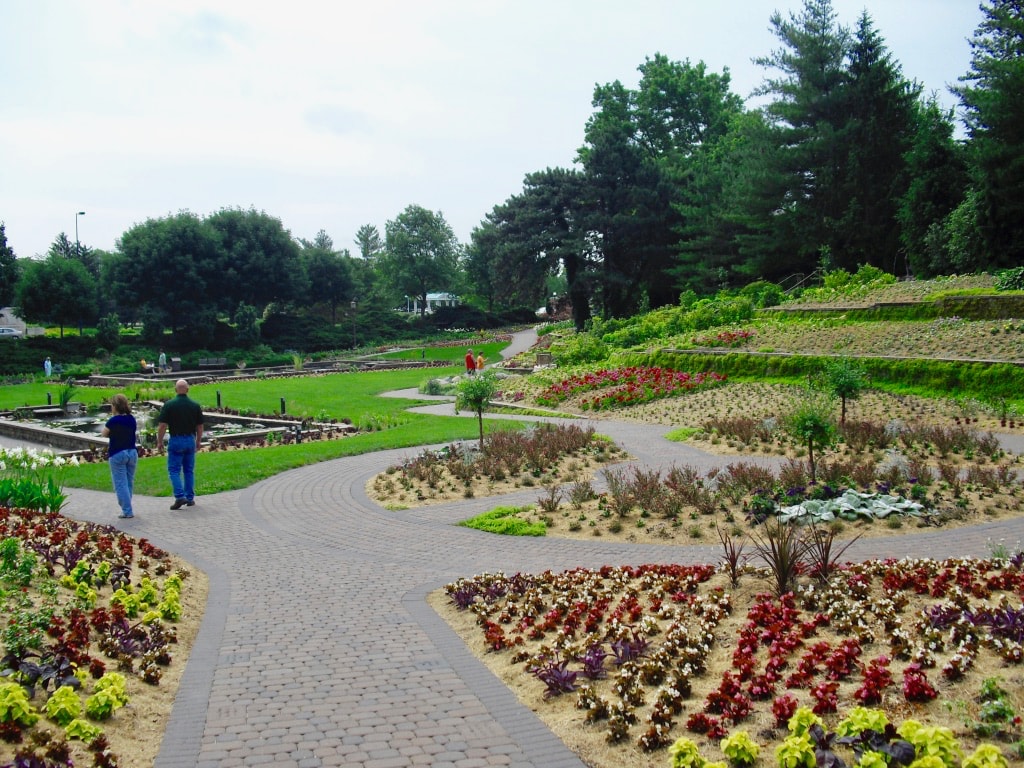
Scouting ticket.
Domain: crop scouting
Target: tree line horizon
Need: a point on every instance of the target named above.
(678, 187)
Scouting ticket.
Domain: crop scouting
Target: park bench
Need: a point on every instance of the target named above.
(213, 362)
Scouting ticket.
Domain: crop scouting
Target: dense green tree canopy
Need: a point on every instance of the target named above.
(171, 268)
(330, 276)
(533, 237)
(937, 171)
(992, 97)
(809, 108)
(879, 132)
(421, 254)
(57, 290)
(9, 270)
(259, 260)
(678, 187)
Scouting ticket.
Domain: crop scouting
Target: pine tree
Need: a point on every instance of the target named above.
(810, 111)
(878, 133)
(993, 98)
(937, 171)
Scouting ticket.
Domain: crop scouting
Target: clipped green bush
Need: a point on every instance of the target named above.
(503, 521)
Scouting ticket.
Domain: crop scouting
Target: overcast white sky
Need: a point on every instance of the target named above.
(333, 114)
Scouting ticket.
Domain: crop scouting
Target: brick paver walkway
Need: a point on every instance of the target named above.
(318, 648)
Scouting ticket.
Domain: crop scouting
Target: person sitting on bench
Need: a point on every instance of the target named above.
(147, 367)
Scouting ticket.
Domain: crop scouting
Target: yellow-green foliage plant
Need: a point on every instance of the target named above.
(64, 705)
(15, 706)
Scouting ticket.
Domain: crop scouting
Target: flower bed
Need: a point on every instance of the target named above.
(90, 616)
(641, 656)
(629, 386)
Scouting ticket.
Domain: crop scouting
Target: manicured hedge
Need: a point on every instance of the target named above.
(968, 307)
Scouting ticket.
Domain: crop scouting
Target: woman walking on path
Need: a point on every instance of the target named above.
(122, 453)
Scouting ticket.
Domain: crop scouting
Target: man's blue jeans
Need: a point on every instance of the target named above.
(122, 473)
(181, 464)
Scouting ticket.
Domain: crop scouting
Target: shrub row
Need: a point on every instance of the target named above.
(968, 307)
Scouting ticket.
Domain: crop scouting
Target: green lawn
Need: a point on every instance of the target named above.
(455, 355)
(231, 470)
(354, 396)
(333, 395)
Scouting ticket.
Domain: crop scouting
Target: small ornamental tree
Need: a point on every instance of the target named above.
(108, 332)
(810, 422)
(846, 379)
(474, 393)
(247, 327)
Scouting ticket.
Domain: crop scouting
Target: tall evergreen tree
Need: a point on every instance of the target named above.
(937, 173)
(992, 94)
(809, 108)
(684, 116)
(369, 242)
(879, 130)
(532, 236)
(629, 202)
(651, 186)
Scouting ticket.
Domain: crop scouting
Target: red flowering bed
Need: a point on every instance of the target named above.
(627, 386)
(617, 659)
(725, 339)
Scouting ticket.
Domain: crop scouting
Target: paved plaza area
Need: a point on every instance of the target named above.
(318, 647)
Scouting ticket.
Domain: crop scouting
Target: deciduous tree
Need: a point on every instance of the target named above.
(9, 270)
(329, 277)
(421, 255)
(57, 290)
(169, 270)
(259, 260)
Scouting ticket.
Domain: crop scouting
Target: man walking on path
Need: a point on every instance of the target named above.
(183, 418)
(470, 363)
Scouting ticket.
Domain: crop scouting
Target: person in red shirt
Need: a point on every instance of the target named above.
(470, 363)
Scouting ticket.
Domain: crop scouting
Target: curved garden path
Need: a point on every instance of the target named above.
(318, 647)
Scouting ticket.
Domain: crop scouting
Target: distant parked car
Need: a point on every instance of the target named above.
(9, 333)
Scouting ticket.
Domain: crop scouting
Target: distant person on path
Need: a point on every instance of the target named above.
(47, 367)
(121, 452)
(183, 418)
(161, 362)
(470, 363)
(479, 362)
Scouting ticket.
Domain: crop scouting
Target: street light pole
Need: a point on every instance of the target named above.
(78, 247)
(353, 323)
